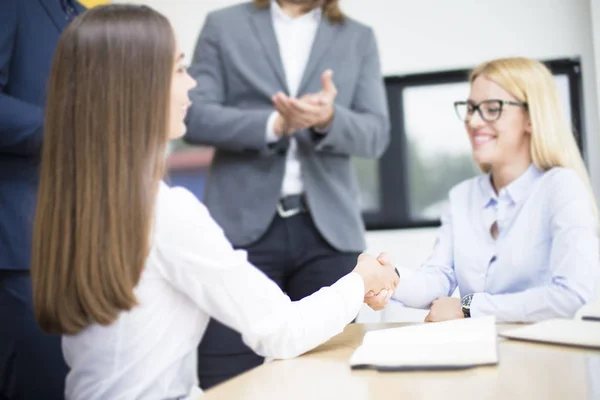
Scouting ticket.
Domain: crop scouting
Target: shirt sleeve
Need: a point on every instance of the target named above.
(436, 276)
(270, 135)
(574, 260)
(197, 259)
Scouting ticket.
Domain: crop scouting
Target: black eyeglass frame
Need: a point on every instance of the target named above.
(477, 107)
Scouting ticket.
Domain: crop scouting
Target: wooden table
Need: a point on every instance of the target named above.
(525, 371)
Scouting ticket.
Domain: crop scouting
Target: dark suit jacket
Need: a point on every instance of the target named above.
(29, 32)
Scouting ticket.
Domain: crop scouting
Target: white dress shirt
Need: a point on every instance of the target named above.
(544, 263)
(295, 37)
(192, 273)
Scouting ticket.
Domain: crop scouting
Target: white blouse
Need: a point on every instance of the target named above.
(192, 274)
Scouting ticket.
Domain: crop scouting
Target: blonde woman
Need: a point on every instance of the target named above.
(128, 269)
(520, 241)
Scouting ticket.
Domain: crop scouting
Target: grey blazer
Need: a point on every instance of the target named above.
(238, 68)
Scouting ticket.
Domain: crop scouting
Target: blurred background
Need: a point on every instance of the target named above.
(427, 48)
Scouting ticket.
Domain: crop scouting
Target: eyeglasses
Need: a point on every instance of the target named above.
(489, 110)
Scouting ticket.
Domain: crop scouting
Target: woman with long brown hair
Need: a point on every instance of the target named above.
(126, 268)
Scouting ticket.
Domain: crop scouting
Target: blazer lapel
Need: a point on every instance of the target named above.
(263, 25)
(323, 41)
(55, 12)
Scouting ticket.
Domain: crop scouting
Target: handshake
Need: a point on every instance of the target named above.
(380, 278)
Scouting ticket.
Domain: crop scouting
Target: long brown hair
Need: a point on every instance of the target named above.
(331, 8)
(103, 156)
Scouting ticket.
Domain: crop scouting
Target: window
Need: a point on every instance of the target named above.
(429, 151)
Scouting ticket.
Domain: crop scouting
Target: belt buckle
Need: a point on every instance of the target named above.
(287, 213)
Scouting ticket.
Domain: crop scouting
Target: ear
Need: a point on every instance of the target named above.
(528, 128)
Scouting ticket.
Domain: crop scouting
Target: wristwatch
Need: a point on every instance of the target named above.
(466, 305)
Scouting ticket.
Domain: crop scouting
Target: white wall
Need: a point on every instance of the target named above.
(186, 16)
(595, 21)
(430, 35)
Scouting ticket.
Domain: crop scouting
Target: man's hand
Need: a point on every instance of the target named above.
(282, 127)
(444, 309)
(378, 301)
(311, 110)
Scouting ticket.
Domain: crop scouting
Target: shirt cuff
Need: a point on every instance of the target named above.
(270, 135)
(321, 131)
(352, 289)
(480, 306)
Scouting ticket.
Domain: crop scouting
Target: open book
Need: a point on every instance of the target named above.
(583, 330)
(457, 344)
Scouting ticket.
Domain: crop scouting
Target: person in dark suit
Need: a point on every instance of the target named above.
(288, 91)
(31, 362)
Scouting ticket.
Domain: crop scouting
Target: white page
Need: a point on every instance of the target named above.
(560, 331)
(589, 310)
(463, 342)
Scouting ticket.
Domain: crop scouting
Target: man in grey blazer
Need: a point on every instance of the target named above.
(288, 91)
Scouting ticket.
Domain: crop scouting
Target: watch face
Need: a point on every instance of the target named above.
(466, 301)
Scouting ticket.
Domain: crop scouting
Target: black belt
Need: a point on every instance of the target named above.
(289, 206)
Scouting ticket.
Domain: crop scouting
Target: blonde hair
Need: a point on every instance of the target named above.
(552, 138)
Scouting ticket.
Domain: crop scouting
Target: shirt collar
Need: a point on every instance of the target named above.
(516, 191)
(277, 13)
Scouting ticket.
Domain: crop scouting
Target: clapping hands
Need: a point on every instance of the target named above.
(313, 110)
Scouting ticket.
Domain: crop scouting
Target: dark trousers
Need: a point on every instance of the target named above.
(293, 254)
(31, 361)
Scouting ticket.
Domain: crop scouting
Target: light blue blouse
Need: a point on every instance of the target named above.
(544, 264)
